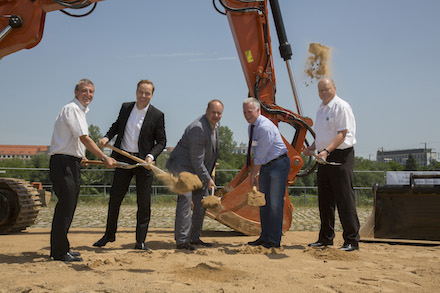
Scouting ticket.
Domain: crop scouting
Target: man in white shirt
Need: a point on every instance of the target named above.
(335, 130)
(67, 149)
(140, 131)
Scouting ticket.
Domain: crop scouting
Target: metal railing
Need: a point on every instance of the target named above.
(303, 193)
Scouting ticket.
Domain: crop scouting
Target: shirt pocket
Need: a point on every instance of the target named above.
(330, 123)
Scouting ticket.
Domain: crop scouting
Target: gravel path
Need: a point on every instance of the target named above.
(95, 216)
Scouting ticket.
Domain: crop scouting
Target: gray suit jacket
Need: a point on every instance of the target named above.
(195, 152)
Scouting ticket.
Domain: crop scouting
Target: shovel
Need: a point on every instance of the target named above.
(117, 165)
(324, 162)
(185, 183)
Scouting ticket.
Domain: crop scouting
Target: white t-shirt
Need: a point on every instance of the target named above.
(336, 116)
(69, 126)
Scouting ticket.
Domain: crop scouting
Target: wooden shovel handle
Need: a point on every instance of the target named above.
(134, 158)
(93, 162)
(124, 153)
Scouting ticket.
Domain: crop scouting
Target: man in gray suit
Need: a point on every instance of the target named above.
(196, 152)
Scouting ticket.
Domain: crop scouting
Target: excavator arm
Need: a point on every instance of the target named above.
(22, 25)
(22, 21)
(249, 23)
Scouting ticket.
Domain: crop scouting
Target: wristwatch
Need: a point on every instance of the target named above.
(328, 152)
(103, 158)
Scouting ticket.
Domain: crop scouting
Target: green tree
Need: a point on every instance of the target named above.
(160, 163)
(227, 144)
(14, 163)
(95, 135)
(411, 164)
(394, 166)
(94, 177)
(434, 165)
(39, 161)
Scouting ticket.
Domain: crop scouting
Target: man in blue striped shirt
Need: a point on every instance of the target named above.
(272, 165)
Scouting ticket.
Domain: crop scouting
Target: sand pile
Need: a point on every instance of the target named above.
(255, 198)
(318, 63)
(229, 266)
(185, 183)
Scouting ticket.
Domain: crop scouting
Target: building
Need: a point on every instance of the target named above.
(22, 151)
(241, 149)
(422, 155)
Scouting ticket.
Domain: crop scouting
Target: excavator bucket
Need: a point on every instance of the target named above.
(234, 211)
(405, 213)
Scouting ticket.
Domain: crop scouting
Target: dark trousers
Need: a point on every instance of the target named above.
(66, 178)
(335, 189)
(121, 183)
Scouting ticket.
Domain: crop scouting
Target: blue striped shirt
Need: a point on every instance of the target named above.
(267, 143)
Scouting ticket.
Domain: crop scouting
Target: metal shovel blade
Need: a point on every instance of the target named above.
(324, 162)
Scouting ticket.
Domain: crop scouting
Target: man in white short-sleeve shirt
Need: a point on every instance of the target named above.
(335, 130)
(67, 149)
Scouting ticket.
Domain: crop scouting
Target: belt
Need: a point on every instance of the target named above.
(67, 157)
(133, 154)
(282, 156)
(342, 150)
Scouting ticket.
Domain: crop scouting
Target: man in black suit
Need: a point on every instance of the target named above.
(140, 131)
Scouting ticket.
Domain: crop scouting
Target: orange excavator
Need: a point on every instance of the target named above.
(22, 25)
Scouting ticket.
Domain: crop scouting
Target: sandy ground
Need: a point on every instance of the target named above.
(229, 266)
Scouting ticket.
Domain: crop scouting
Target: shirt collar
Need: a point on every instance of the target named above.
(84, 109)
(258, 120)
(329, 104)
(144, 110)
(214, 127)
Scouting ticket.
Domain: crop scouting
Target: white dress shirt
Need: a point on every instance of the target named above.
(133, 128)
(70, 125)
(336, 116)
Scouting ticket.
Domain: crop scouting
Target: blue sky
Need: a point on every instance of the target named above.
(384, 62)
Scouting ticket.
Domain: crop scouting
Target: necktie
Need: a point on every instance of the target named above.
(248, 161)
(214, 139)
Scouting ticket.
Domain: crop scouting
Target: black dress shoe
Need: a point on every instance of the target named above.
(142, 246)
(320, 244)
(268, 245)
(186, 246)
(349, 247)
(256, 242)
(74, 253)
(104, 240)
(68, 258)
(200, 242)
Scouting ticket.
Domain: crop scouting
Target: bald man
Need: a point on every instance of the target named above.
(335, 129)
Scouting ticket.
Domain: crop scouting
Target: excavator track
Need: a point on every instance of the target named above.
(19, 205)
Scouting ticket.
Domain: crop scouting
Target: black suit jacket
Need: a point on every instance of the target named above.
(152, 138)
